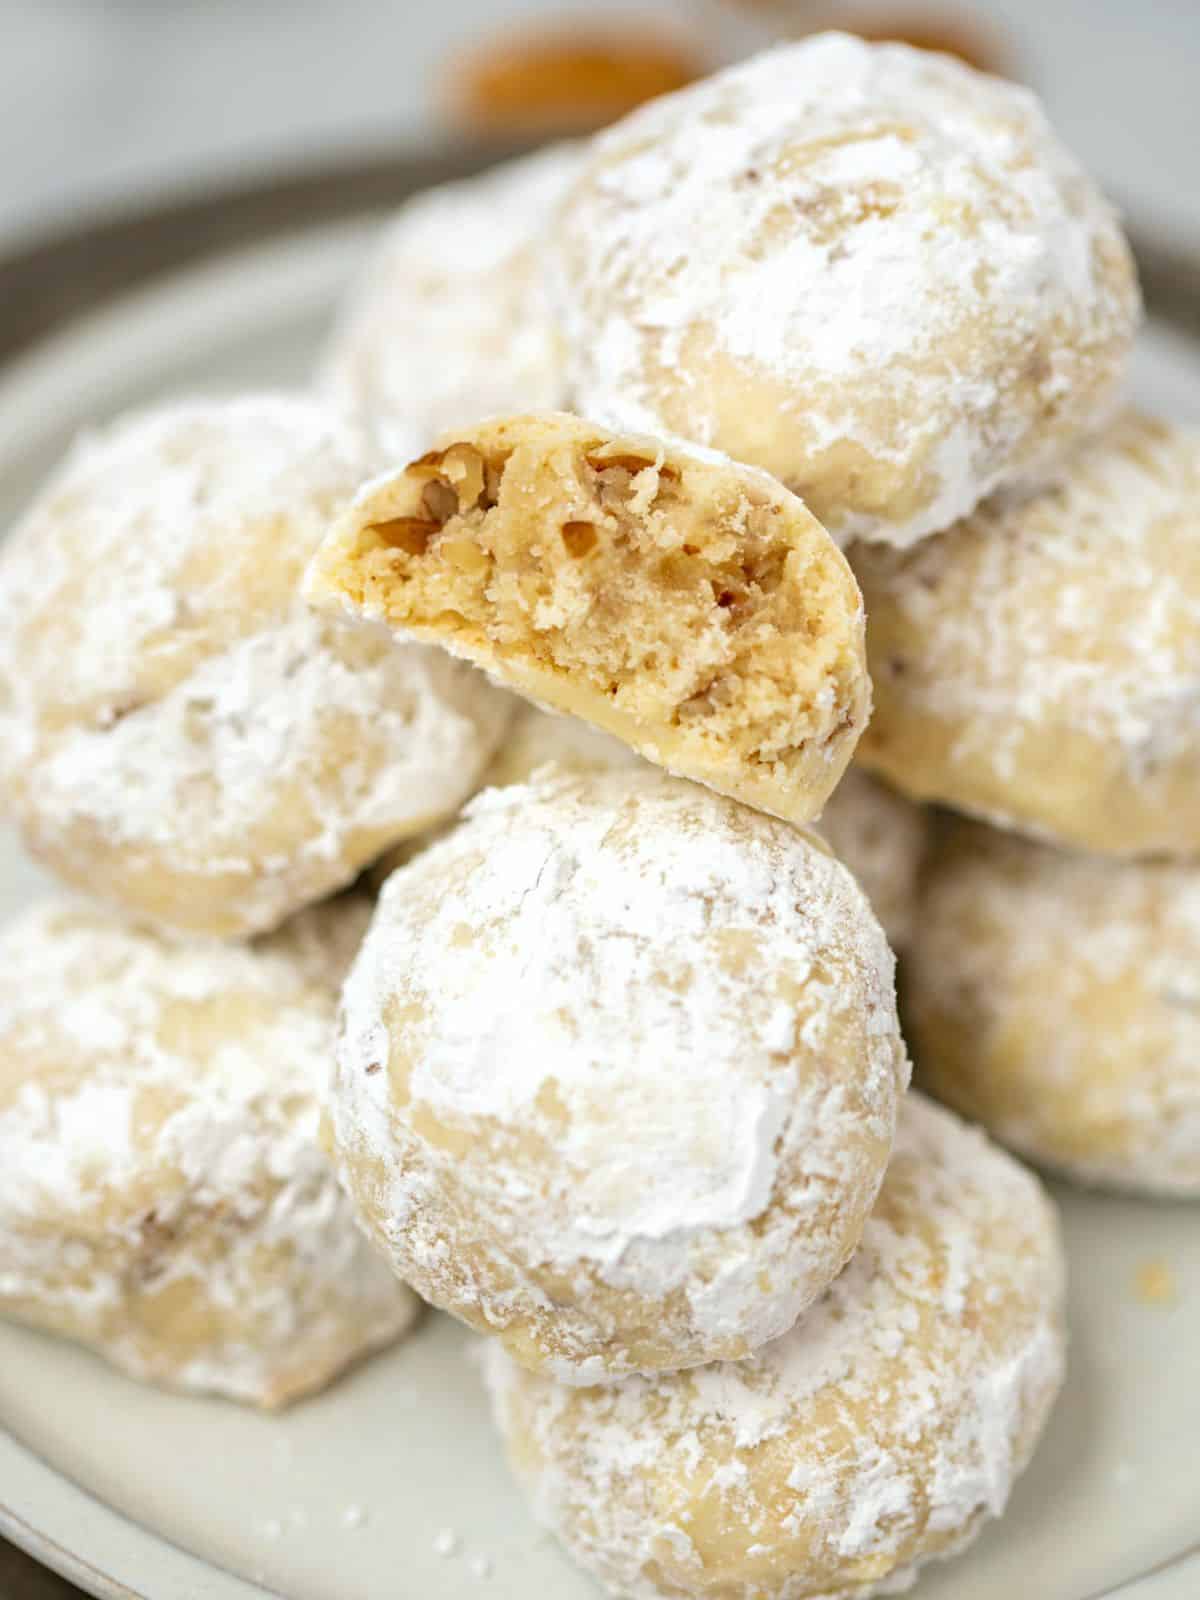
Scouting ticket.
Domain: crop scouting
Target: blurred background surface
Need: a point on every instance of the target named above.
(107, 102)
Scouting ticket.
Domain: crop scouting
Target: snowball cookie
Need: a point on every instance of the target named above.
(1039, 664)
(881, 837)
(163, 1198)
(682, 603)
(869, 269)
(1056, 999)
(879, 1433)
(178, 733)
(618, 1073)
(449, 322)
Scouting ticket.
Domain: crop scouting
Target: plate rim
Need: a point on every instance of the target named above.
(189, 1577)
(323, 244)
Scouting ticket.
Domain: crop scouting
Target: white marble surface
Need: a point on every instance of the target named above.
(104, 100)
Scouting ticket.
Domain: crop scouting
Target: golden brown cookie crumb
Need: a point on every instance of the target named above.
(1154, 1283)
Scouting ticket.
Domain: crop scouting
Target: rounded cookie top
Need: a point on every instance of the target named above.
(1039, 663)
(449, 321)
(867, 268)
(878, 1433)
(177, 731)
(163, 1196)
(1103, 1083)
(618, 1072)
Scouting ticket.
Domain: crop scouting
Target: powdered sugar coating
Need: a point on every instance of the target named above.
(1055, 999)
(163, 1197)
(877, 833)
(880, 1432)
(178, 733)
(618, 1072)
(874, 831)
(869, 269)
(881, 836)
(449, 322)
(535, 739)
(1039, 663)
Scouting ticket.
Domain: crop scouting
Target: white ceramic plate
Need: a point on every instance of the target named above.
(134, 1492)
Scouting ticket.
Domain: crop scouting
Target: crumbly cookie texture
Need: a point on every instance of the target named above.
(869, 269)
(1038, 665)
(163, 1198)
(618, 1073)
(450, 321)
(1103, 1084)
(881, 1432)
(682, 603)
(178, 733)
(881, 836)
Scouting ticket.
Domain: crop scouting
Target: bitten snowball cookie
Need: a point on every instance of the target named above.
(881, 837)
(618, 1073)
(163, 1198)
(682, 603)
(449, 323)
(1039, 664)
(879, 1433)
(1056, 999)
(866, 268)
(178, 733)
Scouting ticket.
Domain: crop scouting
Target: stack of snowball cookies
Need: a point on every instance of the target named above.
(490, 786)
